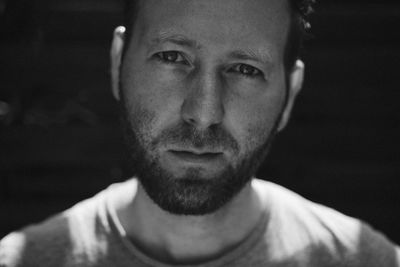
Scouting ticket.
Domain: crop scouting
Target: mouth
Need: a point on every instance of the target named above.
(195, 156)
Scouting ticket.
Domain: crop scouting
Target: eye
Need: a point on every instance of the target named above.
(247, 70)
(171, 57)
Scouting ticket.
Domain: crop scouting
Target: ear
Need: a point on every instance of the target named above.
(115, 56)
(295, 84)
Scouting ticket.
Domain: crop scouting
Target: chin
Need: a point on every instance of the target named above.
(194, 191)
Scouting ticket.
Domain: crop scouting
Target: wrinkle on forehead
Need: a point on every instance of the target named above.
(234, 21)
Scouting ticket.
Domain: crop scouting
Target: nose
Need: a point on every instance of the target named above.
(203, 105)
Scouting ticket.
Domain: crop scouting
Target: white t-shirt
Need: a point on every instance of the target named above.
(293, 232)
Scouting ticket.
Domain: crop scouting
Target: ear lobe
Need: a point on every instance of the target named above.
(115, 57)
(295, 84)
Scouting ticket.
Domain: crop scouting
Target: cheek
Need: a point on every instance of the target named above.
(148, 94)
(145, 88)
(256, 128)
(253, 120)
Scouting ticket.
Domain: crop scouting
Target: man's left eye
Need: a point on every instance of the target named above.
(247, 70)
(171, 57)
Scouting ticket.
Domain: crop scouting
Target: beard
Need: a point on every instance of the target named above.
(192, 193)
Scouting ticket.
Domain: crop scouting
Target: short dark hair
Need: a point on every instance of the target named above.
(299, 28)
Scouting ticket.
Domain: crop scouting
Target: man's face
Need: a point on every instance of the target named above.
(203, 91)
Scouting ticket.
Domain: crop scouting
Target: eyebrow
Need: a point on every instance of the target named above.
(175, 39)
(251, 55)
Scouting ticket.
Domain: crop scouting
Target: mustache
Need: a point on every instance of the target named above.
(186, 135)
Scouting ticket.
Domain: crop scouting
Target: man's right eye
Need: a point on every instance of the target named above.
(171, 57)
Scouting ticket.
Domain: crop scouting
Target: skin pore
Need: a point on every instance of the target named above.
(210, 64)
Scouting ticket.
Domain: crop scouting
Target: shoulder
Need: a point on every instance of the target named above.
(375, 249)
(302, 227)
(35, 243)
(10, 250)
(52, 242)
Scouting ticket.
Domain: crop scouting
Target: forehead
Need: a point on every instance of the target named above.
(224, 23)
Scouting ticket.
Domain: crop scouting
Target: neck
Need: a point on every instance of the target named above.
(180, 239)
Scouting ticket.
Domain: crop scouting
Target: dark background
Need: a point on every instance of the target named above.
(60, 140)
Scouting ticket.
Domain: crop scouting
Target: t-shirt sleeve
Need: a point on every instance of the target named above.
(40, 245)
(375, 249)
(12, 249)
(350, 242)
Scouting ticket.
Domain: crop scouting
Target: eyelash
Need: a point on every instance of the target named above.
(254, 72)
(163, 57)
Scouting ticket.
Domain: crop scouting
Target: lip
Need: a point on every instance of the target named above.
(195, 156)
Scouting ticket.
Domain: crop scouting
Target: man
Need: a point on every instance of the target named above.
(203, 87)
